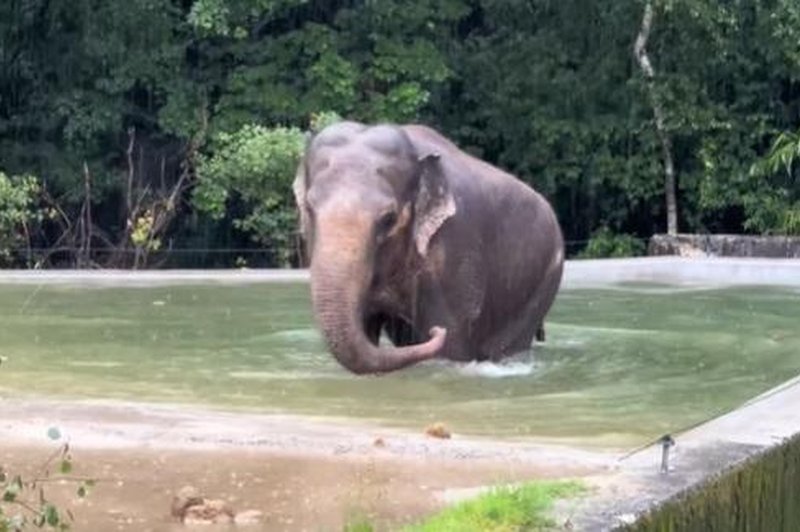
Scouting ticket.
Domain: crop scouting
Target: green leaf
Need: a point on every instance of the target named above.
(51, 515)
(66, 466)
(12, 490)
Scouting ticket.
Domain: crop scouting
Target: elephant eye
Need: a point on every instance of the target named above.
(387, 221)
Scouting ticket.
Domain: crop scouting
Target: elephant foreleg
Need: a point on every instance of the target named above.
(518, 334)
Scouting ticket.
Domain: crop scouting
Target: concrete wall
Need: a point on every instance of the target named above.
(762, 494)
(682, 271)
(577, 274)
(737, 472)
(725, 246)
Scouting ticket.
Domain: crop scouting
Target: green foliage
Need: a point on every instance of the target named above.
(360, 525)
(257, 165)
(503, 509)
(142, 231)
(605, 244)
(547, 90)
(320, 121)
(776, 209)
(24, 503)
(17, 211)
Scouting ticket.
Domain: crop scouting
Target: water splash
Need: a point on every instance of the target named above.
(514, 367)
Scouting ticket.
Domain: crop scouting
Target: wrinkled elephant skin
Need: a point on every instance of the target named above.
(409, 236)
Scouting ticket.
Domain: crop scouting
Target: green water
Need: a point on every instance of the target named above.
(620, 365)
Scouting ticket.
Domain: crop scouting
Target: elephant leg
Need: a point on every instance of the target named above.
(518, 334)
(435, 311)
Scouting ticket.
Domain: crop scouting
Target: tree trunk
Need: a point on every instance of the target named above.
(640, 53)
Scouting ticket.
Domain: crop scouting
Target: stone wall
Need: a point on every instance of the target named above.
(725, 246)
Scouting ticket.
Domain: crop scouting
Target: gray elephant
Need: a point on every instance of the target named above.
(410, 236)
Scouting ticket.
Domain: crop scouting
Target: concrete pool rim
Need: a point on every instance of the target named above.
(711, 272)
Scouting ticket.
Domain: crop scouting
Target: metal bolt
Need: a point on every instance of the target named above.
(666, 442)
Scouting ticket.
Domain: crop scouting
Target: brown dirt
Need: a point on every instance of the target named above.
(135, 486)
(302, 474)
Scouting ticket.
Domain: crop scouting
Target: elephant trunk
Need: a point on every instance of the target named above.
(339, 283)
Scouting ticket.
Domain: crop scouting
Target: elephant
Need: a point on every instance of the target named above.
(410, 237)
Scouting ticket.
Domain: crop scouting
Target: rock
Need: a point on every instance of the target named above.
(379, 442)
(191, 508)
(438, 430)
(701, 245)
(248, 517)
(187, 496)
(211, 511)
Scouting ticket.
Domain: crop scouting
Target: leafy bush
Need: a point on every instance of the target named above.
(604, 244)
(776, 210)
(17, 210)
(255, 164)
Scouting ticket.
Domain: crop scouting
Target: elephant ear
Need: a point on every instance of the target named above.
(299, 189)
(435, 202)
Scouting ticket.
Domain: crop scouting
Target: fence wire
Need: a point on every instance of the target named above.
(237, 257)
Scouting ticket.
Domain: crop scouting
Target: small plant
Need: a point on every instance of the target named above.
(604, 244)
(360, 525)
(503, 509)
(24, 502)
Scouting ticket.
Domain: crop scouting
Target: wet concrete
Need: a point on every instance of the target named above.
(638, 486)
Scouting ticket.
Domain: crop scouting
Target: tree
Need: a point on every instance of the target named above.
(640, 52)
(138, 116)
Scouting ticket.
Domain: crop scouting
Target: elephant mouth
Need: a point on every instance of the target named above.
(396, 329)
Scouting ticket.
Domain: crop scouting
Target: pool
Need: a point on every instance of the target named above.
(623, 363)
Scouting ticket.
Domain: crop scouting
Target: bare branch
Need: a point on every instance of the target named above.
(86, 218)
(129, 155)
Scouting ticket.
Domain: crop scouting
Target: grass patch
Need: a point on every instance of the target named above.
(504, 509)
(359, 526)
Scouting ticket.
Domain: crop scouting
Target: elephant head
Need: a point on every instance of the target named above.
(369, 206)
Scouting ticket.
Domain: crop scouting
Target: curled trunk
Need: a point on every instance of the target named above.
(339, 286)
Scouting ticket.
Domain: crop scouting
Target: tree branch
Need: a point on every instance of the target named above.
(86, 222)
(640, 53)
